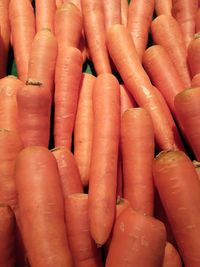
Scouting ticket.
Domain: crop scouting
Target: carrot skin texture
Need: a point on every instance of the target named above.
(22, 23)
(163, 7)
(144, 235)
(171, 257)
(197, 21)
(196, 80)
(193, 55)
(68, 171)
(67, 81)
(179, 189)
(112, 12)
(84, 250)
(124, 12)
(41, 203)
(164, 29)
(93, 21)
(103, 168)
(83, 130)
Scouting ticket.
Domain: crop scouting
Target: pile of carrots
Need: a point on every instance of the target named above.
(101, 168)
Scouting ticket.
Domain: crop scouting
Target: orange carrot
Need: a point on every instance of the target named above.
(112, 12)
(34, 106)
(58, 3)
(41, 203)
(179, 189)
(172, 257)
(126, 99)
(124, 12)
(166, 32)
(193, 55)
(22, 23)
(93, 20)
(137, 82)
(137, 240)
(67, 82)
(84, 251)
(196, 80)
(103, 168)
(139, 20)
(83, 129)
(197, 21)
(163, 7)
(185, 12)
(68, 171)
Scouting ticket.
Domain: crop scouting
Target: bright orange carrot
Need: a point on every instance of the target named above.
(45, 11)
(185, 12)
(84, 250)
(103, 170)
(139, 21)
(83, 129)
(137, 82)
(179, 189)
(68, 171)
(166, 32)
(34, 106)
(193, 55)
(171, 257)
(196, 80)
(67, 82)
(163, 7)
(41, 203)
(124, 12)
(197, 21)
(137, 240)
(112, 12)
(22, 21)
(93, 20)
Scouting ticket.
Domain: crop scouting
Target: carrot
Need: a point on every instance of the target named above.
(163, 7)
(83, 129)
(124, 12)
(93, 21)
(67, 82)
(7, 237)
(45, 11)
(84, 251)
(34, 106)
(184, 12)
(179, 190)
(197, 167)
(163, 74)
(193, 55)
(188, 113)
(137, 240)
(58, 3)
(42, 61)
(172, 257)
(139, 20)
(166, 32)
(40, 203)
(126, 99)
(112, 12)
(103, 168)
(137, 82)
(68, 171)
(68, 25)
(197, 20)
(75, 2)
(196, 80)
(22, 23)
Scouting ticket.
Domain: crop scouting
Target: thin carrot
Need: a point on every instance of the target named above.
(193, 55)
(197, 21)
(196, 80)
(172, 257)
(112, 12)
(163, 7)
(124, 12)
(126, 99)
(166, 32)
(67, 81)
(103, 170)
(83, 130)
(179, 189)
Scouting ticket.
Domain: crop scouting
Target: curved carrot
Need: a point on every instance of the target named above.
(67, 81)
(196, 80)
(124, 12)
(163, 7)
(197, 21)
(139, 21)
(172, 257)
(193, 55)
(68, 171)
(103, 168)
(83, 129)
(22, 21)
(112, 12)
(41, 203)
(166, 32)
(179, 189)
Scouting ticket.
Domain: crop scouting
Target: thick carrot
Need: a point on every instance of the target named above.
(126, 99)
(193, 55)
(184, 12)
(197, 21)
(41, 204)
(7, 237)
(68, 171)
(172, 257)
(83, 129)
(45, 12)
(22, 21)
(163, 7)
(34, 106)
(112, 12)
(139, 21)
(84, 250)
(137, 82)
(93, 20)
(103, 170)
(196, 80)
(124, 12)
(137, 240)
(188, 114)
(166, 32)
(42, 61)
(179, 189)
(67, 82)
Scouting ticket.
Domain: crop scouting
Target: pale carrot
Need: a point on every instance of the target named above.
(112, 12)
(171, 257)
(124, 12)
(163, 7)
